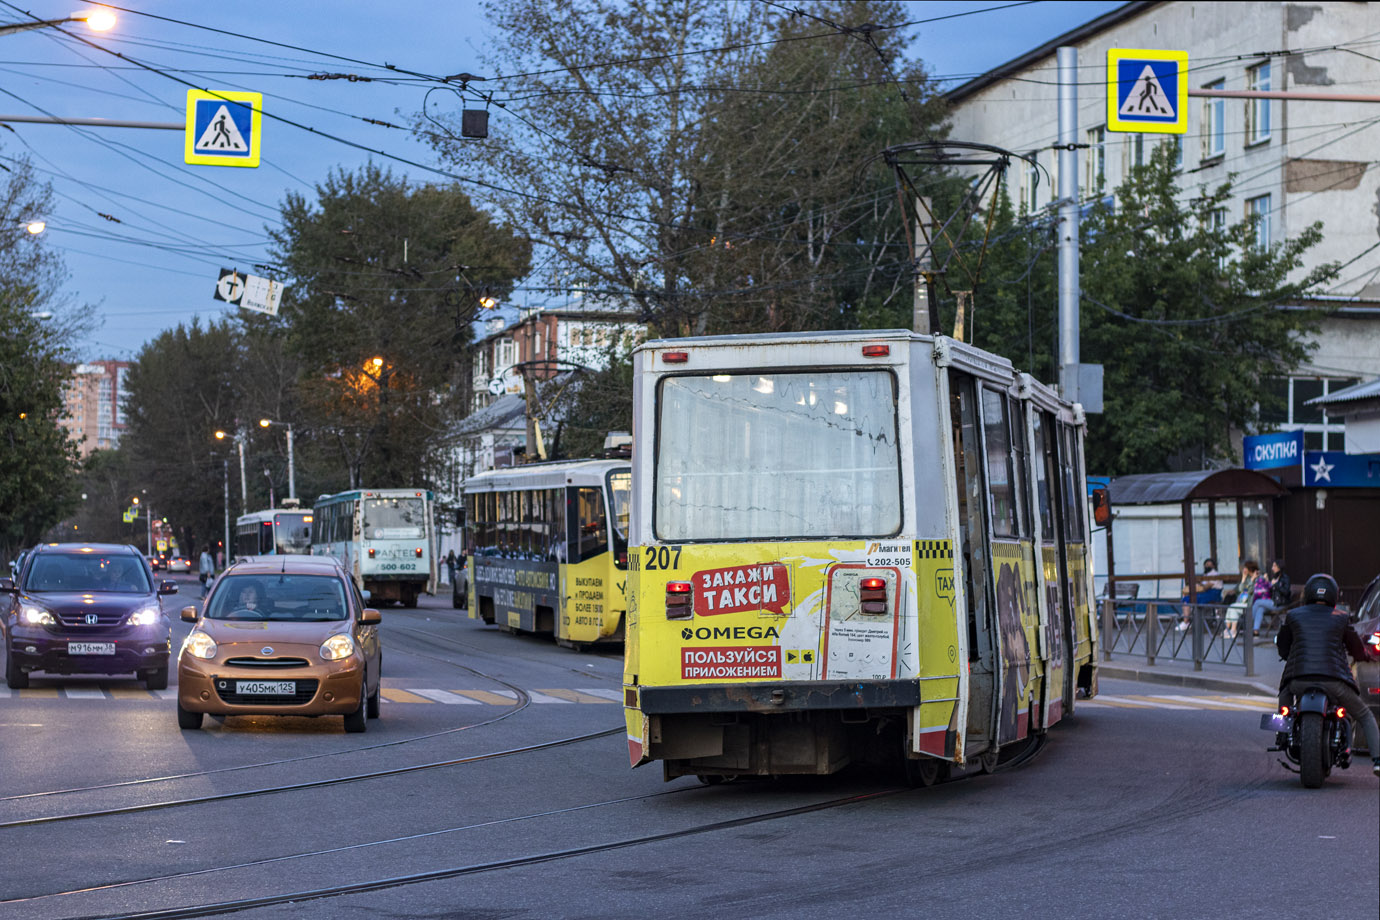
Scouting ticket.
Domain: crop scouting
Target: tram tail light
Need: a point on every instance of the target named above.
(872, 593)
(675, 357)
(680, 598)
(876, 351)
(372, 552)
(419, 552)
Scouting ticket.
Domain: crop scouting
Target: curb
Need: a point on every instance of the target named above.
(1150, 675)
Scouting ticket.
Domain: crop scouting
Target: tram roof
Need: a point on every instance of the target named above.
(551, 472)
(351, 494)
(783, 337)
(1193, 485)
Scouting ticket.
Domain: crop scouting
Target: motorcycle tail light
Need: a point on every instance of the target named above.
(1284, 710)
(1341, 713)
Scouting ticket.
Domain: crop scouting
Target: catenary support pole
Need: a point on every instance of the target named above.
(1068, 222)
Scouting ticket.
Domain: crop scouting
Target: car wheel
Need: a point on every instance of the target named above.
(357, 721)
(156, 678)
(187, 721)
(15, 679)
(371, 707)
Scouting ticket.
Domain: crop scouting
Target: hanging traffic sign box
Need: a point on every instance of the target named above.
(223, 128)
(1147, 91)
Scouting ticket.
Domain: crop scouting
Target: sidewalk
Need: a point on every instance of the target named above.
(1227, 678)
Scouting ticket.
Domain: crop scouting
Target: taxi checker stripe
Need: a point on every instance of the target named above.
(934, 549)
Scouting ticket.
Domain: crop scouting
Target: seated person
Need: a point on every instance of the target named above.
(1209, 590)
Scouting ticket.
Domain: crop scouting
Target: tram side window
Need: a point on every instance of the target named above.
(1043, 478)
(554, 500)
(592, 536)
(1073, 486)
(1000, 482)
(1018, 465)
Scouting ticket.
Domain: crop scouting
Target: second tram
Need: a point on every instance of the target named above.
(547, 547)
(851, 546)
(274, 532)
(384, 538)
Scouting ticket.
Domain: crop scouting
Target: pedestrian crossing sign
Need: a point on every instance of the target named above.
(1147, 90)
(223, 128)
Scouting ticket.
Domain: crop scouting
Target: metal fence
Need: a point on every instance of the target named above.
(1156, 629)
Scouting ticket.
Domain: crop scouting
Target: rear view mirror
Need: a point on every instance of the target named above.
(168, 587)
(189, 614)
(370, 615)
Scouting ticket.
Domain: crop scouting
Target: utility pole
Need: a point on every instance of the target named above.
(225, 464)
(925, 313)
(1068, 223)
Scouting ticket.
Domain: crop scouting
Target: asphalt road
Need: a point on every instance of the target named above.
(1149, 803)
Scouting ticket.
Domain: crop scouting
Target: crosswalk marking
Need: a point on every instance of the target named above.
(1210, 704)
(613, 696)
(1123, 700)
(394, 695)
(493, 699)
(538, 696)
(576, 696)
(83, 693)
(446, 696)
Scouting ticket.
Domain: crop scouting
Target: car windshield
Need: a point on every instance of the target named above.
(87, 572)
(394, 519)
(301, 598)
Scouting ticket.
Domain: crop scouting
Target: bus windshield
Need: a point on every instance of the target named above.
(394, 519)
(293, 533)
(620, 497)
(805, 454)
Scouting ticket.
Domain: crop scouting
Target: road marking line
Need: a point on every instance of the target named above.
(169, 694)
(394, 695)
(83, 693)
(1099, 701)
(484, 696)
(1139, 700)
(1204, 702)
(613, 696)
(445, 696)
(129, 693)
(1256, 701)
(575, 696)
(540, 696)
(44, 693)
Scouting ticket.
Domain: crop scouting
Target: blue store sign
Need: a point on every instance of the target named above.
(1335, 469)
(1271, 451)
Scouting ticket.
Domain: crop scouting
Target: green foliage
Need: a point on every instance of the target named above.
(382, 269)
(38, 461)
(183, 386)
(1184, 318)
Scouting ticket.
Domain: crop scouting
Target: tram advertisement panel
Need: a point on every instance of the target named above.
(518, 587)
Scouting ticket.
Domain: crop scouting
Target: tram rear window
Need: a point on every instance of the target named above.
(761, 456)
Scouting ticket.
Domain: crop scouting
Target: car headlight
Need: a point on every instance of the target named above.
(36, 616)
(337, 647)
(144, 616)
(199, 645)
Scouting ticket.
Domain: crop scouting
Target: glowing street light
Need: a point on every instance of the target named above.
(36, 227)
(97, 19)
(239, 444)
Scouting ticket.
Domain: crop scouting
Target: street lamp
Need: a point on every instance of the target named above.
(292, 470)
(244, 490)
(35, 227)
(97, 19)
(148, 516)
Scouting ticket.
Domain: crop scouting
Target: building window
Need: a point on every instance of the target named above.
(1286, 407)
(504, 358)
(1259, 208)
(1135, 150)
(1214, 128)
(1097, 159)
(1258, 110)
(1178, 153)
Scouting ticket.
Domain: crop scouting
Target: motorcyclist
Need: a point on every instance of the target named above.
(1314, 642)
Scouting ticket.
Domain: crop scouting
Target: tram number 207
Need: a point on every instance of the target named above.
(661, 557)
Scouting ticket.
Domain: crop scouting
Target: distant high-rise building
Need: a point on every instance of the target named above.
(94, 400)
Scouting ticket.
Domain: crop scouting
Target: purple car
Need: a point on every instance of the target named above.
(85, 608)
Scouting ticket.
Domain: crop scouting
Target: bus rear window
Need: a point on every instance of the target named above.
(767, 456)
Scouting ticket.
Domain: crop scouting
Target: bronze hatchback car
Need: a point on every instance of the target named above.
(281, 635)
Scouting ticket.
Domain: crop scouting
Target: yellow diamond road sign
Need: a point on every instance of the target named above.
(1147, 90)
(223, 128)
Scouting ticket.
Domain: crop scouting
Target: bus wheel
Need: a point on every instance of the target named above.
(988, 760)
(713, 779)
(925, 771)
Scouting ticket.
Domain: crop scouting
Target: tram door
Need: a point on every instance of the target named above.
(1058, 687)
(975, 543)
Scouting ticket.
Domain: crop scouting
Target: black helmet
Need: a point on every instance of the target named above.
(1321, 589)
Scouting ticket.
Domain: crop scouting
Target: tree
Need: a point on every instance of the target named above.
(1184, 315)
(38, 461)
(183, 386)
(385, 277)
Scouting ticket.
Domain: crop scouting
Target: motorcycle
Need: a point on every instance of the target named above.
(1314, 733)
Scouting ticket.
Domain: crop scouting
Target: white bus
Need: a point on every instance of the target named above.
(275, 532)
(384, 538)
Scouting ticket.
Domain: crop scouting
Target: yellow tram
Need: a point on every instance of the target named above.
(548, 549)
(850, 546)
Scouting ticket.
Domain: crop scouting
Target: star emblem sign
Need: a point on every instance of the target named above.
(1322, 470)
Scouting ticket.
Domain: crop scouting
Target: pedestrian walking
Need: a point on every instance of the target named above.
(206, 568)
(450, 564)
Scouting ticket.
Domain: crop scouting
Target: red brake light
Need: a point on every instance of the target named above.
(876, 351)
(679, 587)
(872, 595)
(419, 552)
(1341, 712)
(372, 551)
(873, 584)
(679, 600)
(675, 357)
(1284, 710)
(623, 558)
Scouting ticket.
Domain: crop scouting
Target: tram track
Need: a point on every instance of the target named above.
(459, 643)
(523, 700)
(1021, 758)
